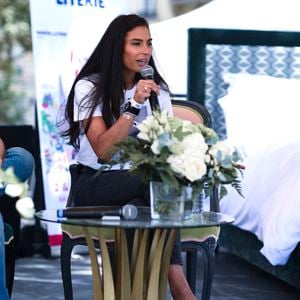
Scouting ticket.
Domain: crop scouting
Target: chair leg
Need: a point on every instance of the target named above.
(191, 262)
(65, 264)
(209, 247)
(10, 258)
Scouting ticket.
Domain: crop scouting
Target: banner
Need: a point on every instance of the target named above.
(64, 33)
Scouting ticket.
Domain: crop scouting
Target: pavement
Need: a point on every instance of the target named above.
(40, 278)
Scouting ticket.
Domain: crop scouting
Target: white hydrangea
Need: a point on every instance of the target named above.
(221, 153)
(14, 189)
(11, 184)
(177, 147)
(188, 126)
(150, 129)
(25, 207)
(224, 147)
(164, 140)
(191, 162)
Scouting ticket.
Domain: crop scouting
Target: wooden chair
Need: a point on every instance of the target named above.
(191, 111)
(205, 239)
(193, 240)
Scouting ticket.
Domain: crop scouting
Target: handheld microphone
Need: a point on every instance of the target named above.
(147, 72)
(127, 212)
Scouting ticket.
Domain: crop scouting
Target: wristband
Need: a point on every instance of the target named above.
(135, 104)
(131, 109)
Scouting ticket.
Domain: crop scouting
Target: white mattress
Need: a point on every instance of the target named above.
(271, 207)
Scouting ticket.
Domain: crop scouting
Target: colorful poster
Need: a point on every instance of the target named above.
(64, 33)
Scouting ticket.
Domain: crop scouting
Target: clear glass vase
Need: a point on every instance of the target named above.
(168, 204)
(198, 203)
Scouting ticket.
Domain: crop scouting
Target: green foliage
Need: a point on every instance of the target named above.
(15, 40)
(180, 154)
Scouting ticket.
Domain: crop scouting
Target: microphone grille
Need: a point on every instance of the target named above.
(129, 212)
(147, 71)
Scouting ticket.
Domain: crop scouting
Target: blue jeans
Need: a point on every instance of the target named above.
(22, 162)
(3, 289)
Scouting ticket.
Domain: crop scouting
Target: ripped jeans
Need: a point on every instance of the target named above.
(22, 162)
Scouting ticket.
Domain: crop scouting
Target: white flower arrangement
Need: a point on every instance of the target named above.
(14, 188)
(181, 154)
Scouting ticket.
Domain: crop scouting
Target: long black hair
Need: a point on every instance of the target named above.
(104, 69)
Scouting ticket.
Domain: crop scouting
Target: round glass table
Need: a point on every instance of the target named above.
(143, 273)
(142, 221)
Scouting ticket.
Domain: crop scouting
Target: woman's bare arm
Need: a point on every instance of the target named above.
(103, 139)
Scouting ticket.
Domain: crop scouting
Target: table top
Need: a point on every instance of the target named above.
(143, 220)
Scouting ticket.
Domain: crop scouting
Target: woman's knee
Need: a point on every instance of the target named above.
(21, 160)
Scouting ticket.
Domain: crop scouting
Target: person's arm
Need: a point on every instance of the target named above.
(100, 138)
(2, 151)
(103, 139)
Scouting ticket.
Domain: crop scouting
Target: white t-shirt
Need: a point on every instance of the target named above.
(86, 155)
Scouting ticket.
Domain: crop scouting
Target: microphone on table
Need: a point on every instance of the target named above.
(127, 212)
(147, 72)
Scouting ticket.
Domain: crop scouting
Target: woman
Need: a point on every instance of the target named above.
(108, 98)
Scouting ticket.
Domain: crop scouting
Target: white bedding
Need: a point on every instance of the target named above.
(271, 207)
(271, 184)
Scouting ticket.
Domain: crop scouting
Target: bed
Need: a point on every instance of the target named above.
(250, 83)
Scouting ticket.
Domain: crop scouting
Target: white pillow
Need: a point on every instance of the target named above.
(261, 110)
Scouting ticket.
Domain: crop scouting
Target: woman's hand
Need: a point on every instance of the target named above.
(144, 89)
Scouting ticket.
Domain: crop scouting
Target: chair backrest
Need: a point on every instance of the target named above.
(196, 113)
(192, 111)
